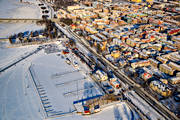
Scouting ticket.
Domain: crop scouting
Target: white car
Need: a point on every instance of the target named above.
(75, 64)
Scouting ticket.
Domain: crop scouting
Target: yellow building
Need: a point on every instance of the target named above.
(157, 47)
(166, 69)
(71, 8)
(174, 66)
(91, 30)
(115, 54)
(150, 1)
(165, 81)
(131, 42)
(174, 80)
(137, 1)
(153, 62)
(161, 59)
(160, 88)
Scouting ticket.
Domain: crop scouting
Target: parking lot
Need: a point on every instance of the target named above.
(59, 84)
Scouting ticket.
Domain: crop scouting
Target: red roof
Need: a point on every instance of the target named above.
(174, 31)
(86, 111)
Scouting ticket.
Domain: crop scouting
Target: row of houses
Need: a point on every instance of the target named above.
(129, 35)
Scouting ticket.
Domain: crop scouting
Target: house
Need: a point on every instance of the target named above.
(142, 55)
(157, 47)
(160, 88)
(122, 63)
(178, 74)
(166, 69)
(141, 63)
(115, 83)
(174, 56)
(174, 31)
(161, 59)
(91, 30)
(71, 8)
(96, 40)
(174, 66)
(146, 76)
(114, 51)
(131, 42)
(174, 80)
(101, 75)
(153, 62)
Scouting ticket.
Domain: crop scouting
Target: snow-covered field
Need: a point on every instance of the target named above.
(7, 29)
(60, 83)
(15, 9)
(57, 86)
(9, 55)
(18, 101)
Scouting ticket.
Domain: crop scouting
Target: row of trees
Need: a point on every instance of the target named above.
(63, 3)
(50, 31)
(66, 21)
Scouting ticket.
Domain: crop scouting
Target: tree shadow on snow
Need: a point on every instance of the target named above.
(126, 112)
(117, 113)
(89, 89)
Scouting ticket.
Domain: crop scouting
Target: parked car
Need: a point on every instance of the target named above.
(75, 64)
(68, 61)
(40, 4)
(45, 16)
(46, 11)
(43, 8)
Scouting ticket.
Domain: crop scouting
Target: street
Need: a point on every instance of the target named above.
(140, 91)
